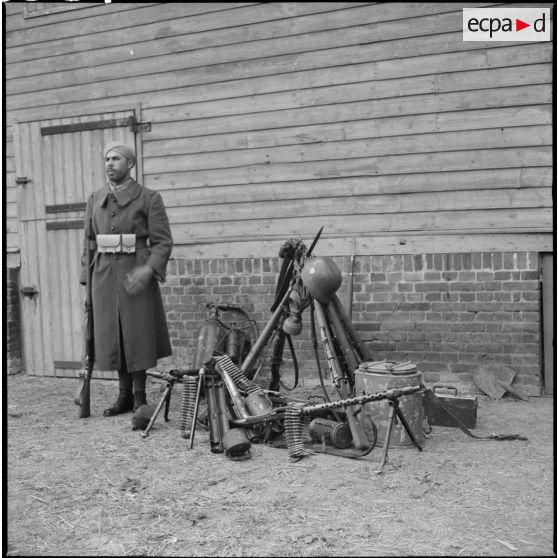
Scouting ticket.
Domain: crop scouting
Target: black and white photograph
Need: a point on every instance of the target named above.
(279, 279)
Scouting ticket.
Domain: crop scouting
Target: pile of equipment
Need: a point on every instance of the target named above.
(229, 356)
(376, 401)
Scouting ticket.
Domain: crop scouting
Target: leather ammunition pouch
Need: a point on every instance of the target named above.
(116, 243)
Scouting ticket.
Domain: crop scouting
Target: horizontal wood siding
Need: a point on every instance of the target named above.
(268, 121)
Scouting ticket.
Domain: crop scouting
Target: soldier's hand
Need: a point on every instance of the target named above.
(138, 279)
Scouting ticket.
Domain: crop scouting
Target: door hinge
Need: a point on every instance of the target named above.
(29, 291)
(136, 126)
(22, 180)
(130, 122)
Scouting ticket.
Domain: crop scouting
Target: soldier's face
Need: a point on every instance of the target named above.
(117, 167)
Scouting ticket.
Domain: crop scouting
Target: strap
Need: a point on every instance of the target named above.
(435, 403)
(295, 362)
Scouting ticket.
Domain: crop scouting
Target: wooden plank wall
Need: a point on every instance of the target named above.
(270, 120)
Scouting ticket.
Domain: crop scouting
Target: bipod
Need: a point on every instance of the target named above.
(395, 412)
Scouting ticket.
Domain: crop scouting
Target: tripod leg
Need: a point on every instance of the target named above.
(405, 424)
(166, 394)
(388, 436)
(167, 406)
(201, 379)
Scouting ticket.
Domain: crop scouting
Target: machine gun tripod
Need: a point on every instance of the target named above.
(171, 377)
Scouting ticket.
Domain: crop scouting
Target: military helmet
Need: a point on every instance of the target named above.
(142, 415)
(321, 277)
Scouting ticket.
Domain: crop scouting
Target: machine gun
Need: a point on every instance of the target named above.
(172, 377)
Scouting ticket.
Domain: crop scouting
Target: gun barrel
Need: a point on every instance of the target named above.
(262, 340)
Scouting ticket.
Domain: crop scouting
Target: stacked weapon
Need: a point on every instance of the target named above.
(83, 395)
(240, 411)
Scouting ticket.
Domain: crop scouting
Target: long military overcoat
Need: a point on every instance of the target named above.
(145, 337)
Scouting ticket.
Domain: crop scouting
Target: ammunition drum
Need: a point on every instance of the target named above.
(337, 434)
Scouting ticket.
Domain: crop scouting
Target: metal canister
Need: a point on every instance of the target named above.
(376, 376)
(335, 433)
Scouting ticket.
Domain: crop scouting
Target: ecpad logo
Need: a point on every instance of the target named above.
(506, 24)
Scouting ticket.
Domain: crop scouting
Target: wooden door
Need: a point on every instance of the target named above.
(59, 163)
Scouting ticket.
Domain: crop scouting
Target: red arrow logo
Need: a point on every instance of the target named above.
(519, 25)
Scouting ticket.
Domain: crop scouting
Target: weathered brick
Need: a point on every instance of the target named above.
(496, 260)
(384, 307)
(412, 276)
(520, 285)
(431, 287)
(381, 346)
(533, 260)
(530, 348)
(465, 276)
(462, 367)
(379, 287)
(471, 326)
(502, 296)
(521, 306)
(410, 346)
(405, 287)
(465, 286)
(433, 316)
(408, 263)
(508, 260)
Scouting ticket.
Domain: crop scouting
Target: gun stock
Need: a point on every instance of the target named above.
(83, 396)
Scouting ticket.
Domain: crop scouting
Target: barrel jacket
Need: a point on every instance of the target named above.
(143, 334)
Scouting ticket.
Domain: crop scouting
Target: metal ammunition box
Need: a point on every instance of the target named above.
(463, 407)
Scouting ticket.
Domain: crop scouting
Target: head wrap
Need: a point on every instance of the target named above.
(122, 149)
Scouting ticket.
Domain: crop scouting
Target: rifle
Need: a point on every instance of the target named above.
(83, 396)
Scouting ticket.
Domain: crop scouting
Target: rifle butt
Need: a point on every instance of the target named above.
(83, 397)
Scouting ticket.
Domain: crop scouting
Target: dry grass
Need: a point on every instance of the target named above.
(95, 487)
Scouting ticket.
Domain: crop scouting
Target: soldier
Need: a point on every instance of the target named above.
(134, 243)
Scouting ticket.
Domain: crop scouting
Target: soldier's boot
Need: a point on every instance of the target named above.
(139, 399)
(123, 404)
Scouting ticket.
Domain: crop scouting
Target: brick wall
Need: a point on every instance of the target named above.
(445, 312)
(13, 323)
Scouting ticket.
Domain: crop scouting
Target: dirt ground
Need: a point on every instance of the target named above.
(93, 486)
